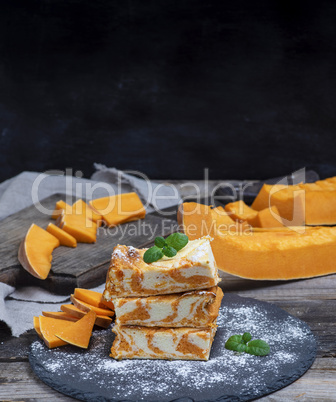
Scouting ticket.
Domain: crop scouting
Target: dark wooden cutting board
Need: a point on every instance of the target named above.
(83, 266)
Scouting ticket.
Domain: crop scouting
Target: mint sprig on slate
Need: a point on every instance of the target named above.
(243, 343)
(168, 247)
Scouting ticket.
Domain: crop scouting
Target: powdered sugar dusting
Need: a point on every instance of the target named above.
(238, 376)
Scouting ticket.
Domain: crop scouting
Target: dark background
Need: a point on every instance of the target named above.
(245, 88)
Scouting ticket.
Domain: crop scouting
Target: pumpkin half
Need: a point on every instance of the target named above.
(266, 254)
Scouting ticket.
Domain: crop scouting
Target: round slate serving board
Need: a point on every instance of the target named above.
(91, 375)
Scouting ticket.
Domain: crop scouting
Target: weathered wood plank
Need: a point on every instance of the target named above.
(87, 264)
(18, 382)
(318, 384)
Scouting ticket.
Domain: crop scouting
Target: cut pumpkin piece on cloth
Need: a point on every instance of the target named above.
(86, 307)
(49, 326)
(35, 251)
(80, 207)
(119, 208)
(101, 320)
(93, 298)
(60, 205)
(65, 238)
(80, 332)
(60, 315)
(83, 230)
(37, 326)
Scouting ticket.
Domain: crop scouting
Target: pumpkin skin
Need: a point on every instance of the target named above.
(274, 254)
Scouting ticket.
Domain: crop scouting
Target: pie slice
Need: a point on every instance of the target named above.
(192, 268)
(133, 342)
(197, 308)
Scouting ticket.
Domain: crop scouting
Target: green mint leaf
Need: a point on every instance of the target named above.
(169, 251)
(235, 342)
(177, 241)
(153, 254)
(258, 347)
(160, 242)
(247, 337)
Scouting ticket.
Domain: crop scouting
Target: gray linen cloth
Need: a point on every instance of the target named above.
(19, 306)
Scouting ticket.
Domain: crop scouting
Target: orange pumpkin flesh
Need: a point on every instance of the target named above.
(93, 298)
(238, 210)
(101, 320)
(267, 218)
(266, 255)
(60, 315)
(60, 205)
(49, 326)
(65, 238)
(87, 307)
(119, 208)
(313, 202)
(80, 207)
(82, 229)
(35, 251)
(79, 333)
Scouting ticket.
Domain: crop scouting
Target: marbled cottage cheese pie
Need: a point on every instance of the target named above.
(192, 268)
(166, 309)
(196, 308)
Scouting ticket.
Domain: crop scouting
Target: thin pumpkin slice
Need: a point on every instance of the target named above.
(101, 320)
(37, 327)
(60, 205)
(80, 207)
(35, 251)
(60, 315)
(48, 328)
(65, 238)
(83, 230)
(80, 332)
(93, 298)
(119, 208)
(86, 307)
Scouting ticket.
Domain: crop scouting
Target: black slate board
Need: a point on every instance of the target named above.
(93, 376)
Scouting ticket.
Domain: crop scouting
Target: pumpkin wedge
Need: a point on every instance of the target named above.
(119, 208)
(37, 327)
(86, 307)
(35, 251)
(280, 254)
(267, 218)
(65, 238)
(60, 315)
(82, 229)
(80, 207)
(80, 332)
(93, 298)
(101, 320)
(60, 205)
(48, 328)
(238, 210)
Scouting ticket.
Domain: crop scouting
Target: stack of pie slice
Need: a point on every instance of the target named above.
(167, 309)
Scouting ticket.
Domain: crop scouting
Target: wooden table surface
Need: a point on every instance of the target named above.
(311, 300)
